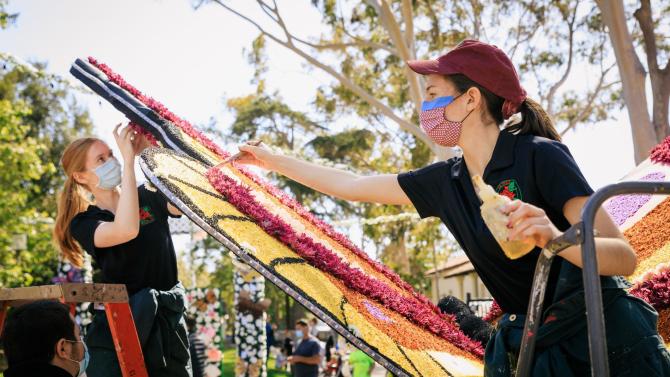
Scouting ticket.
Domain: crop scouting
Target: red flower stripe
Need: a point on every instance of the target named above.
(493, 314)
(148, 135)
(660, 154)
(284, 198)
(320, 257)
(655, 291)
(159, 108)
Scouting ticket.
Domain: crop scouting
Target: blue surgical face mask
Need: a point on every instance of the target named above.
(109, 174)
(298, 333)
(83, 363)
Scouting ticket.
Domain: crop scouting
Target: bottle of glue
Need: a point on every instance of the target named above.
(496, 220)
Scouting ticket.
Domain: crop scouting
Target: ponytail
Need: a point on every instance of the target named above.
(71, 201)
(535, 121)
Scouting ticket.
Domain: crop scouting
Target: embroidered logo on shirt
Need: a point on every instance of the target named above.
(509, 188)
(146, 217)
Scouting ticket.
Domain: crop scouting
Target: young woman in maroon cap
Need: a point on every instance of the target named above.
(471, 93)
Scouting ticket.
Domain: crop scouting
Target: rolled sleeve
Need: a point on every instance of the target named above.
(424, 188)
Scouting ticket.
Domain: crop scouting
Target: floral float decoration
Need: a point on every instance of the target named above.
(250, 336)
(365, 301)
(204, 305)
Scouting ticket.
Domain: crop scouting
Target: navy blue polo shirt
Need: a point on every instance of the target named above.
(307, 348)
(536, 170)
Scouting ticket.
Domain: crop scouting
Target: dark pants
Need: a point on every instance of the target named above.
(158, 317)
(633, 344)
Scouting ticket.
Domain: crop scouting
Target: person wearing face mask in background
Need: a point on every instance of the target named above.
(126, 232)
(474, 100)
(306, 357)
(41, 339)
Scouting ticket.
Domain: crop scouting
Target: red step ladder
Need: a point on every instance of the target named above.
(115, 299)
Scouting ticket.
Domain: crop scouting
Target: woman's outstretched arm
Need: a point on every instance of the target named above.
(342, 184)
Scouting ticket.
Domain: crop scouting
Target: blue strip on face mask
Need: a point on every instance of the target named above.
(436, 103)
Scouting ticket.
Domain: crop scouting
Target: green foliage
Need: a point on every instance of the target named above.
(259, 116)
(20, 166)
(6, 19)
(38, 118)
(363, 47)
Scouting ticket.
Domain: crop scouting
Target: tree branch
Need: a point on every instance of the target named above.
(343, 45)
(393, 29)
(408, 17)
(345, 81)
(643, 16)
(571, 32)
(586, 109)
(518, 31)
(659, 78)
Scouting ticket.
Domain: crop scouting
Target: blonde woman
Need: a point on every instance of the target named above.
(126, 232)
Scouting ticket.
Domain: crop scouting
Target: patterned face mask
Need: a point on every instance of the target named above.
(434, 123)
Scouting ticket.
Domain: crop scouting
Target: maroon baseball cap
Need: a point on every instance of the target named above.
(485, 64)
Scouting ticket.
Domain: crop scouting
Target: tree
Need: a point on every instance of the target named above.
(38, 119)
(20, 165)
(363, 47)
(367, 43)
(54, 119)
(647, 131)
(410, 250)
(6, 19)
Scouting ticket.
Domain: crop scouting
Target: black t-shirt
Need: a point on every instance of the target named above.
(308, 347)
(149, 260)
(536, 170)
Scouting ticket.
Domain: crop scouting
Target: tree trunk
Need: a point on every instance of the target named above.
(659, 78)
(633, 77)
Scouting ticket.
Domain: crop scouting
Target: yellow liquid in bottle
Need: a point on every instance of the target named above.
(496, 220)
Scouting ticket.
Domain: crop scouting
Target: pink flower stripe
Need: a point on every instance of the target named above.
(140, 130)
(655, 291)
(325, 260)
(493, 314)
(283, 197)
(660, 154)
(158, 107)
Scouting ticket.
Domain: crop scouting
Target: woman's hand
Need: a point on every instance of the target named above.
(258, 155)
(124, 139)
(527, 221)
(140, 142)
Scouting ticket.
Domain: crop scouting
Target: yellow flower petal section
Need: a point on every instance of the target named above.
(659, 256)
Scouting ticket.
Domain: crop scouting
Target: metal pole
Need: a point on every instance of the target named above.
(569, 238)
(593, 294)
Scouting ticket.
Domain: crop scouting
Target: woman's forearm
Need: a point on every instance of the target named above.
(127, 216)
(330, 181)
(614, 256)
